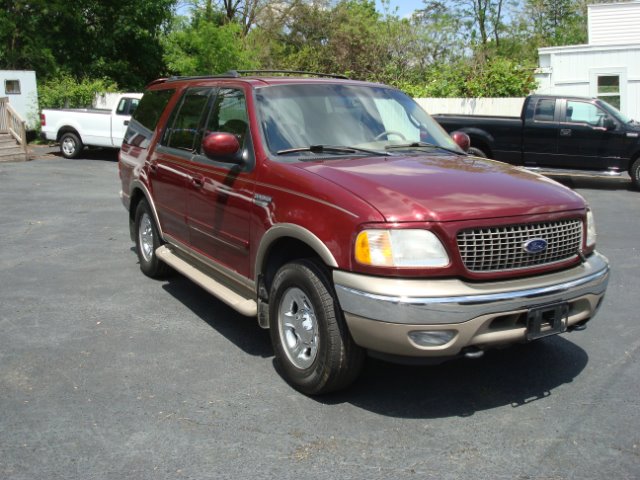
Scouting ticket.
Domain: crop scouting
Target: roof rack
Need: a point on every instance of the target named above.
(240, 73)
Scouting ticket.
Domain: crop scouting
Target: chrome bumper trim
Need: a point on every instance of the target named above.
(587, 279)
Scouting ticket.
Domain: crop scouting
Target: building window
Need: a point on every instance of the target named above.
(12, 87)
(609, 89)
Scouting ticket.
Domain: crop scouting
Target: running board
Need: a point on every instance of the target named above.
(581, 173)
(239, 303)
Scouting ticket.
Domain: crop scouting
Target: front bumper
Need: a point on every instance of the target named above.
(381, 312)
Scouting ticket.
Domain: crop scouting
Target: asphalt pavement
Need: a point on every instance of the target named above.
(107, 374)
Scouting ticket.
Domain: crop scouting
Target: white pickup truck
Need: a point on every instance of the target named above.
(75, 128)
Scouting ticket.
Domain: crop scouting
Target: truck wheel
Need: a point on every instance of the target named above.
(313, 348)
(635, 173)
(476, 152)
(147, 242)
(70, 145)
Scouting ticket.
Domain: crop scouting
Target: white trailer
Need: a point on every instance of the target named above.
(21, 90)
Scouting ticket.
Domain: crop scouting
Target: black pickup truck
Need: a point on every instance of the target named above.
(562, 135)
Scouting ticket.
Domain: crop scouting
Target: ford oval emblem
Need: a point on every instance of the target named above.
(535, 245)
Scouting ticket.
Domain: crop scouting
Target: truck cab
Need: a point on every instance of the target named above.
(557, 135)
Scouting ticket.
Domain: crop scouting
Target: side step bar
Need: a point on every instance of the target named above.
(579, 173)
(242, 305)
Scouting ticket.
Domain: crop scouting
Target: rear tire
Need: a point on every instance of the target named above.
(70, 145)
(147, 242)
(635, 174)
(476, 152)
(314, 351)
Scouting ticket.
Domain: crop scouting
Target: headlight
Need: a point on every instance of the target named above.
(591, 230)
(400, 248)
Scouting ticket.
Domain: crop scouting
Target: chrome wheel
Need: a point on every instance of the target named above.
(145, 237)
(298, 328)
(69, 146)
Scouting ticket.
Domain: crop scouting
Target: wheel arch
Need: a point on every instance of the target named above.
(480, 139)
(67, 129)
(138, 193)
(286, 242)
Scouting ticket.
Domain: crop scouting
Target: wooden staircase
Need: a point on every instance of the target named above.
(13, 134)
(11, 150)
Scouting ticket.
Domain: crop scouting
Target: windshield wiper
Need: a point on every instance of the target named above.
(423, 144)
(331, 149)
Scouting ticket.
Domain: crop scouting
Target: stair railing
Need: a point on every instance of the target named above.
(11, 122)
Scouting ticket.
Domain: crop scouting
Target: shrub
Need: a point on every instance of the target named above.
(64, 91)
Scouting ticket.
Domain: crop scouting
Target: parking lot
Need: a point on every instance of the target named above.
(107, 374)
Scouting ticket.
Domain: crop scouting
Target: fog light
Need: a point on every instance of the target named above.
(432, 338)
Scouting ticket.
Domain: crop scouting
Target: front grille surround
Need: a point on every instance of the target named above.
(500, 249)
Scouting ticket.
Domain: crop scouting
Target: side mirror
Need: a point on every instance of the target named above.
(462, 140)
(609, 123)
(222, 146)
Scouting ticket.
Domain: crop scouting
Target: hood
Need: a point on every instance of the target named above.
(446, 187)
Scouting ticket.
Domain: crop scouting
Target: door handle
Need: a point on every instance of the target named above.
(565, 132)
(126, 122)
(153, 168)
(197, 182)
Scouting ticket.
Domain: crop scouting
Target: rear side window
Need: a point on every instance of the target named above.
(545, 108)
(146, 116)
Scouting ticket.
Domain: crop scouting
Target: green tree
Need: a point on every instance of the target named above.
(64, 91)
(203, 47)
(119, 39)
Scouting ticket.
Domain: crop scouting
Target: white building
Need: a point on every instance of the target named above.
(608, 67)
(20, 88)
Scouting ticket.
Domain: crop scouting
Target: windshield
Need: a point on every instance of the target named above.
(614, 112)
(366, 117)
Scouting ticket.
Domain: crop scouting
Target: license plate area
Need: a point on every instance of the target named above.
(547, 320)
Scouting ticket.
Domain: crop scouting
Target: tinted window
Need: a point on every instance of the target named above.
(185, 121)
(146, 117)
(545, 108)
(229, 114)
(127, 106)
(151, 107)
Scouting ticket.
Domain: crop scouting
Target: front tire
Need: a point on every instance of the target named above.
(70, 145)
(314, 351)
(147, 242)
(635, 174)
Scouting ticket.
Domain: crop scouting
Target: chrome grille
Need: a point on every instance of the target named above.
(502, 248)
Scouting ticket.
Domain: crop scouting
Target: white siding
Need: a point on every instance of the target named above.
(614, 23)
(574, 70)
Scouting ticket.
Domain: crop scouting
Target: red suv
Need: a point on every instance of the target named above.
(346, 220)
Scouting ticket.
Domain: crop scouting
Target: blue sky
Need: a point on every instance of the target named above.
(405, 7)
